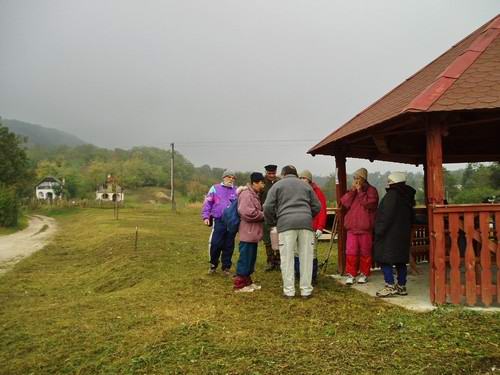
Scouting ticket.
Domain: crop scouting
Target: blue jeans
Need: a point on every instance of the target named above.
(246, 261)
(221, 245)
(389, 276)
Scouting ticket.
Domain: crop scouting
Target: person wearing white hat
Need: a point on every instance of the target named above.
(393, 222)
(361, 204)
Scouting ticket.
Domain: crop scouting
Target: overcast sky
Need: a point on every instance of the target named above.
(235, 84)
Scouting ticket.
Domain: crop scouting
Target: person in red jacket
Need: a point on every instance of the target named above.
(361, 204)
(319, 222)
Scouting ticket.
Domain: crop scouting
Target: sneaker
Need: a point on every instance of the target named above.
(255, 286)
(226, 272)
(212, 270)
(285, 296)
(245, 289)
(362, 279)
(401, 290)
(387, 291)
(307, 296)
(349, 280)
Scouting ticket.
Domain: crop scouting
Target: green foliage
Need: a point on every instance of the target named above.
(14, 166)
(9, 207)
(15, 176)
(479, 182)
(85, 167)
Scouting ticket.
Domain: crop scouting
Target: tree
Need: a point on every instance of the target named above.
(14, 165)
(14, 176)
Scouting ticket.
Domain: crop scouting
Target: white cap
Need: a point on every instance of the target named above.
(396, 177)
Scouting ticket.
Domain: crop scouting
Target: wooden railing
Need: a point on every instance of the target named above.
(466, 256)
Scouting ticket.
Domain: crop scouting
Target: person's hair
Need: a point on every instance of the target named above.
(289, 169)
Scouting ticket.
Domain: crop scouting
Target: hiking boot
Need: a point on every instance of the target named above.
(401, 290)
(362, 279)
(255, 286)
(245, 289)
(349, 279)
(387, 291)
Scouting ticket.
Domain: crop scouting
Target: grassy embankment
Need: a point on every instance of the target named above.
(22, 224)
(89, 303)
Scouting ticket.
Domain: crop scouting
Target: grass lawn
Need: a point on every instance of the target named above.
(91, 304)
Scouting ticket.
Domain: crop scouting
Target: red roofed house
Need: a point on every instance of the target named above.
(447, 112)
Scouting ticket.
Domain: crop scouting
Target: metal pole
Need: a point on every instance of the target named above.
(172, 196)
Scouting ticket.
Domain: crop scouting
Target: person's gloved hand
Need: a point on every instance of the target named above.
(318, 233)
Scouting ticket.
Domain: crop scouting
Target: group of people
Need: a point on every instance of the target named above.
(289, 214)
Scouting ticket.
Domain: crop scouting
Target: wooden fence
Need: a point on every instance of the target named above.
(466, 256)
(71, 203)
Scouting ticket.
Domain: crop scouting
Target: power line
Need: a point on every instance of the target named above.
(253, 141)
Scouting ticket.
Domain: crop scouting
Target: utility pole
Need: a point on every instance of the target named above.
(172, 196)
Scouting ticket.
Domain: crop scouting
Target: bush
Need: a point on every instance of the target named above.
(9, 207)
(474, 195)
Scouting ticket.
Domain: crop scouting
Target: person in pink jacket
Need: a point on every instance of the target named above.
(361, 204)
(251, 231)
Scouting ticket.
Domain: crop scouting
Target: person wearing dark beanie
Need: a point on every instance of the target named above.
(251, 221)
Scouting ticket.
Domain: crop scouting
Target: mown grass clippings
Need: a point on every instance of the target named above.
(90, 304)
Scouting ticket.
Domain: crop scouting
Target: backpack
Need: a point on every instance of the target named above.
(231, 217)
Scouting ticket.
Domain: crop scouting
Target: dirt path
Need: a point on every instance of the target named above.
(16, 246)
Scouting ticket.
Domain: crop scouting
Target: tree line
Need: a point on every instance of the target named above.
(85, 167)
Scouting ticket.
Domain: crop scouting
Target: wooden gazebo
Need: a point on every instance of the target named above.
(447, 112)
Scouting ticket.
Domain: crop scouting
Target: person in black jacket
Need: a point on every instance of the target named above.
(393, 223)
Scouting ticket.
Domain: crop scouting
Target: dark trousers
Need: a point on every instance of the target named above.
(221, 245)
(389, 276)
(296, 267)
(246, 264)
(246, 261)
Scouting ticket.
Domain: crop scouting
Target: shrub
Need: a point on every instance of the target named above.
(9, 207)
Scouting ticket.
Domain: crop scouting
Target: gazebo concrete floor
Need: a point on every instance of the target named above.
(417, 286)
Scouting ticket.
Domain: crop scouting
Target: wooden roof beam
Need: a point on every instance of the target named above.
(381, 143)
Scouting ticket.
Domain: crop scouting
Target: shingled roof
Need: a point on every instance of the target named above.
(466, 77)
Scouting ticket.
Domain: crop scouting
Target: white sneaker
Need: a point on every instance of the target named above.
(245, 289)
(255, 286)
(349, 280)
(362, 279)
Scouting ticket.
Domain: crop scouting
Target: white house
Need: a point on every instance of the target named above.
(49, 188)
(110, 191)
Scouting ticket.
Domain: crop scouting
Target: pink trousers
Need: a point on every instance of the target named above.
(359, 253)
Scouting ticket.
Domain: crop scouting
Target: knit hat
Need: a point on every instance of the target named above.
(396, 177)
(228, 172)
(361, 172)
(306, 174)
(271, 168)
(256, 177)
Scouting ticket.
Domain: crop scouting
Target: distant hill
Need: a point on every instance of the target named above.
(40, 135)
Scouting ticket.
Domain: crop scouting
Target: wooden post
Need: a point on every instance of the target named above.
(172, 196)
(435, 195)
(340, 190)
